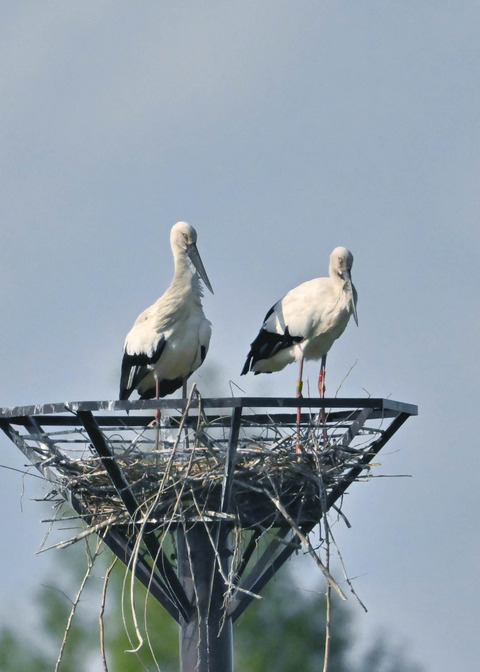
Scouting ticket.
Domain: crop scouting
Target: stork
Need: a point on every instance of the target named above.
(306, 322)
(170, 339)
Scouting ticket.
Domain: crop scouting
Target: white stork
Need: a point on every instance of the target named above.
(306, 322)
(169, 340)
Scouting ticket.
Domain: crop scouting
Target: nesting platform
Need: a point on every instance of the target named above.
(249, 466)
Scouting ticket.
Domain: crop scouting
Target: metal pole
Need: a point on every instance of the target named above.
(206, 640)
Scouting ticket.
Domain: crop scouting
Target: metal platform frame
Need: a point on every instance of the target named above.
(193, 592)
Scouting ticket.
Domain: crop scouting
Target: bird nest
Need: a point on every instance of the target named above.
(188, 469)
(253, 464)
(173, 485)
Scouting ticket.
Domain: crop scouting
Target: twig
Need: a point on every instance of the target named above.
(82, 535)
(345, 377)
(349, 582)
(75, 604)
(328, 612)
(305, 541)
(102, 611)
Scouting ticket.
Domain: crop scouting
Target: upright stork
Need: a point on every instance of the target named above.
(169, 340)
(306, 322)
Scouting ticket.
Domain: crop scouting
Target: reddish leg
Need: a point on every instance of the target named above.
(299, 395)
(156, 421)
(321, 390)
(157, 396)
(300, 381)
(321, 377)
(184, 395)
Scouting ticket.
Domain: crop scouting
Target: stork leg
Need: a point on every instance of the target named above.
(157, 397)
(300, 381)
(321, 390)
(185, 413)
(299, 396)
(156, 421)
(321, 377)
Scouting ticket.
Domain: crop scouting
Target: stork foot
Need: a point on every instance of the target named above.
(156, 420)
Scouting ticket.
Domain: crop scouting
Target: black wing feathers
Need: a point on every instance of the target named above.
(140, 363)
(267, 344)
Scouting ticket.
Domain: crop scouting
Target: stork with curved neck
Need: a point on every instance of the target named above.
(169, 340)
(306, 322)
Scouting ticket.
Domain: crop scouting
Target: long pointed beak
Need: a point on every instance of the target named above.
(354, 310)
(197, 262)
(353, 295)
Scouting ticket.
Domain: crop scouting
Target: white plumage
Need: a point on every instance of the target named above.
(169, 340)
(306, 322)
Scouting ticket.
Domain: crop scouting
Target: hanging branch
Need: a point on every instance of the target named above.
(102, 611)
(328, 610)
(91, 560)
(305, 541)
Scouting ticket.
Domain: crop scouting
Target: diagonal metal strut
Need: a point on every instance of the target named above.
(172, 587)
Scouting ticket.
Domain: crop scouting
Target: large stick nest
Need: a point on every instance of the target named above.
(177, 473)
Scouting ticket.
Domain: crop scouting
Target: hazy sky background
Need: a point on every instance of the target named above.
(279, 130)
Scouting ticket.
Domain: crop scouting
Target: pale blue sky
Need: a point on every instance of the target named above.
(279, 130)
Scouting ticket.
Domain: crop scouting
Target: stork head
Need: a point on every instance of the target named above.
(183, 239)
(341, 261)
(182, 235)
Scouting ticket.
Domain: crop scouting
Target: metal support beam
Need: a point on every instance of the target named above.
(173, 591)
(375, 448)
(122, 547)
(206, 640)
(266, 568)
(230, 460)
